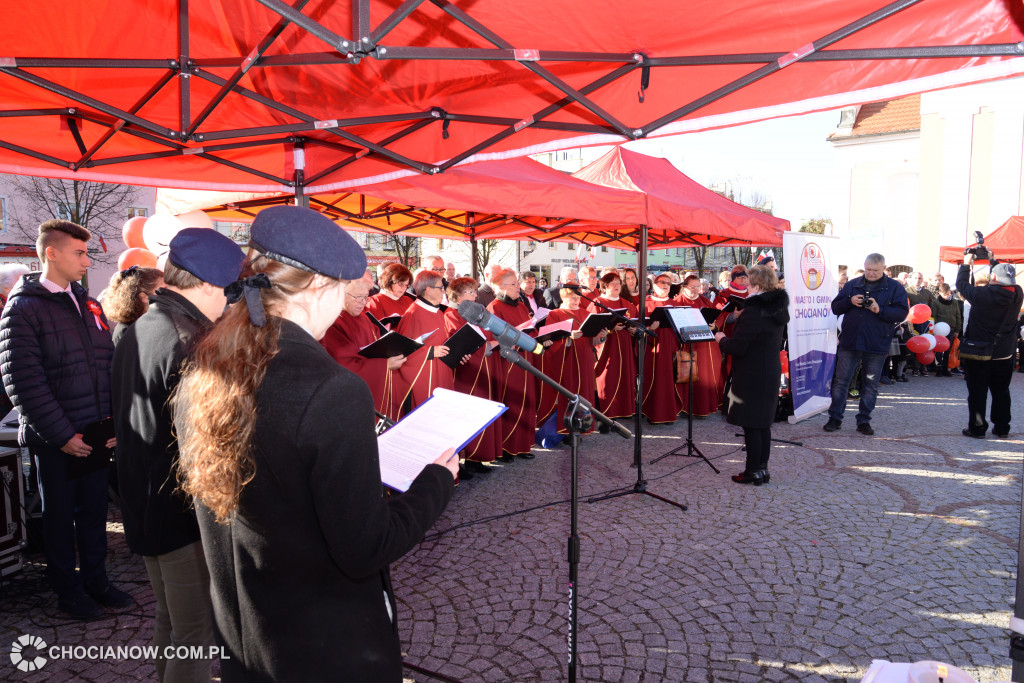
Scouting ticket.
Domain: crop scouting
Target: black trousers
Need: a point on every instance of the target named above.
(74, 517)
(759, 445)
(985, 377)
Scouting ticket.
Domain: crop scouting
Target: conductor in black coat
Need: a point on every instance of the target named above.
(754, 345)
(297, 534)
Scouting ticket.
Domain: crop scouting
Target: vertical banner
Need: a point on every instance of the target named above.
(813, 332)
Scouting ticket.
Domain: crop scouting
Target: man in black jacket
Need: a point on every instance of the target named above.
(55, 355)
(159, 521)
(993, 320)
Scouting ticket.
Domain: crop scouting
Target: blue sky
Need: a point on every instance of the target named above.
(787, 159)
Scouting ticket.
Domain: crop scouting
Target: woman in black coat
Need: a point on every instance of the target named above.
(754, 346)
(278, 450)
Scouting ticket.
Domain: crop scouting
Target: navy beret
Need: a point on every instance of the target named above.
(207, 254)
(307, 240)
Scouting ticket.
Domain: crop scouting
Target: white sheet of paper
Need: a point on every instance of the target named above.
(449, 419)
(554, 327)
(541, 313)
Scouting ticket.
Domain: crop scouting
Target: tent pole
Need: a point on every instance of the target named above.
(641, 282)
(299, 154)
(473, 245)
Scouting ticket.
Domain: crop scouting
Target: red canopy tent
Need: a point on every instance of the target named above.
(641, 198)
(1006, 242)
(321, 95)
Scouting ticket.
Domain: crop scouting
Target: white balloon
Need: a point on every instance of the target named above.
(941, 329)
(158, 231)
(195, 219)
(931, 341)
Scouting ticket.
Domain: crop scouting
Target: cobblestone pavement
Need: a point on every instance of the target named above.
(900, 546)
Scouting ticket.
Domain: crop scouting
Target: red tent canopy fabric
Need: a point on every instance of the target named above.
(676, 202)
(254, 95)
(1006, 242)
(523, 199)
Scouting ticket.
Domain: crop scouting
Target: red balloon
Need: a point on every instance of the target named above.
(941, 343)
(917, 344)
(926, 358)
(134, 256)
(919, 313)
(131, 233)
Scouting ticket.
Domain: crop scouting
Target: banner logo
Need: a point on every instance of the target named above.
(26, 662)
(812, 266)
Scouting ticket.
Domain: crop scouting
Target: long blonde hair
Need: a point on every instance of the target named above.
(214, 404)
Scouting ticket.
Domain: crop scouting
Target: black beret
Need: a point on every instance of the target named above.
(307, 240)
(207, 254)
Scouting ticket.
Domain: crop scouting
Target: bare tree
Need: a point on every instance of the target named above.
(99, 207)
(406, 248)
(699, 256)
(489, 251)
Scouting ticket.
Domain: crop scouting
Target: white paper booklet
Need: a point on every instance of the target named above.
(448, 419)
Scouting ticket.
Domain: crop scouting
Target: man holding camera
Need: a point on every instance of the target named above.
(987, 349)
(870, 305)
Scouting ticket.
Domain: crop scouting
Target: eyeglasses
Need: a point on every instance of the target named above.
(435, 286)
(438, 270)
(663, 282)
(357, 298)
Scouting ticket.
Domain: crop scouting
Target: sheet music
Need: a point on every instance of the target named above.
(690, 324)
(449, 419)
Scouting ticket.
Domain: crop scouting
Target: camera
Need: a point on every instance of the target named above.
(868, 302)
(980, 251)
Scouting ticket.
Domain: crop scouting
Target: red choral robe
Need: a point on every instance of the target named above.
(616, 365)
(381, 305)
(420, 375)
(517, 389)
(478, 377)
(343, 340)
(707, 390)
(571, 365)
(661, 402)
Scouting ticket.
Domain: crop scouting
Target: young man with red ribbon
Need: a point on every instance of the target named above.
(56, 355)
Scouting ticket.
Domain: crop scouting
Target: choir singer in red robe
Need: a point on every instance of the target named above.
(391, 300)
(424, 371)
(478, 377)
(352, 331)
(616, 359)
(707, 390)
(661, 402)
(518, 388)
(570, 362)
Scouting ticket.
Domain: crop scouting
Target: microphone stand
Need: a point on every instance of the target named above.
(641, 485)
(579, 415)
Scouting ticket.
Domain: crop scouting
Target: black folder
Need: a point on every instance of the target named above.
(378, 324)
(465, 341)
(95, 434)
(710, 314)
(390, 344)
(391, 320)
(659, 315)
(735, 303)
(596, 323)
(553, 336)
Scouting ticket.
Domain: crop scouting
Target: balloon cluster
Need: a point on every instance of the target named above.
(148, 239)
(925, 346)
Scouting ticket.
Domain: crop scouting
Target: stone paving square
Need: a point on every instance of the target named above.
(900, 546)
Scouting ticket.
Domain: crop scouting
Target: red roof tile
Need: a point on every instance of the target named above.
(892, 116)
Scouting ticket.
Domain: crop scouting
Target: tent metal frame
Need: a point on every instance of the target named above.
(367, 42)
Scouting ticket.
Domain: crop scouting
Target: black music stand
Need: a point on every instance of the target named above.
(690, 334)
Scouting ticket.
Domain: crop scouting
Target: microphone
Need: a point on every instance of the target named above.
(475, 314)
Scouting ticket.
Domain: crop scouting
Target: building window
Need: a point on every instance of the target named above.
(440, 245)
(552, 245)
(604, 250)
(63, 211)
(3, 214)
(134, 211)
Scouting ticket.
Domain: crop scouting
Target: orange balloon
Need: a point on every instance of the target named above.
(919, 313)
(134, 256)
(131, 233)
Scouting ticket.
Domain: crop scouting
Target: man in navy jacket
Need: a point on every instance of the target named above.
(870, 305)
(55, 356)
